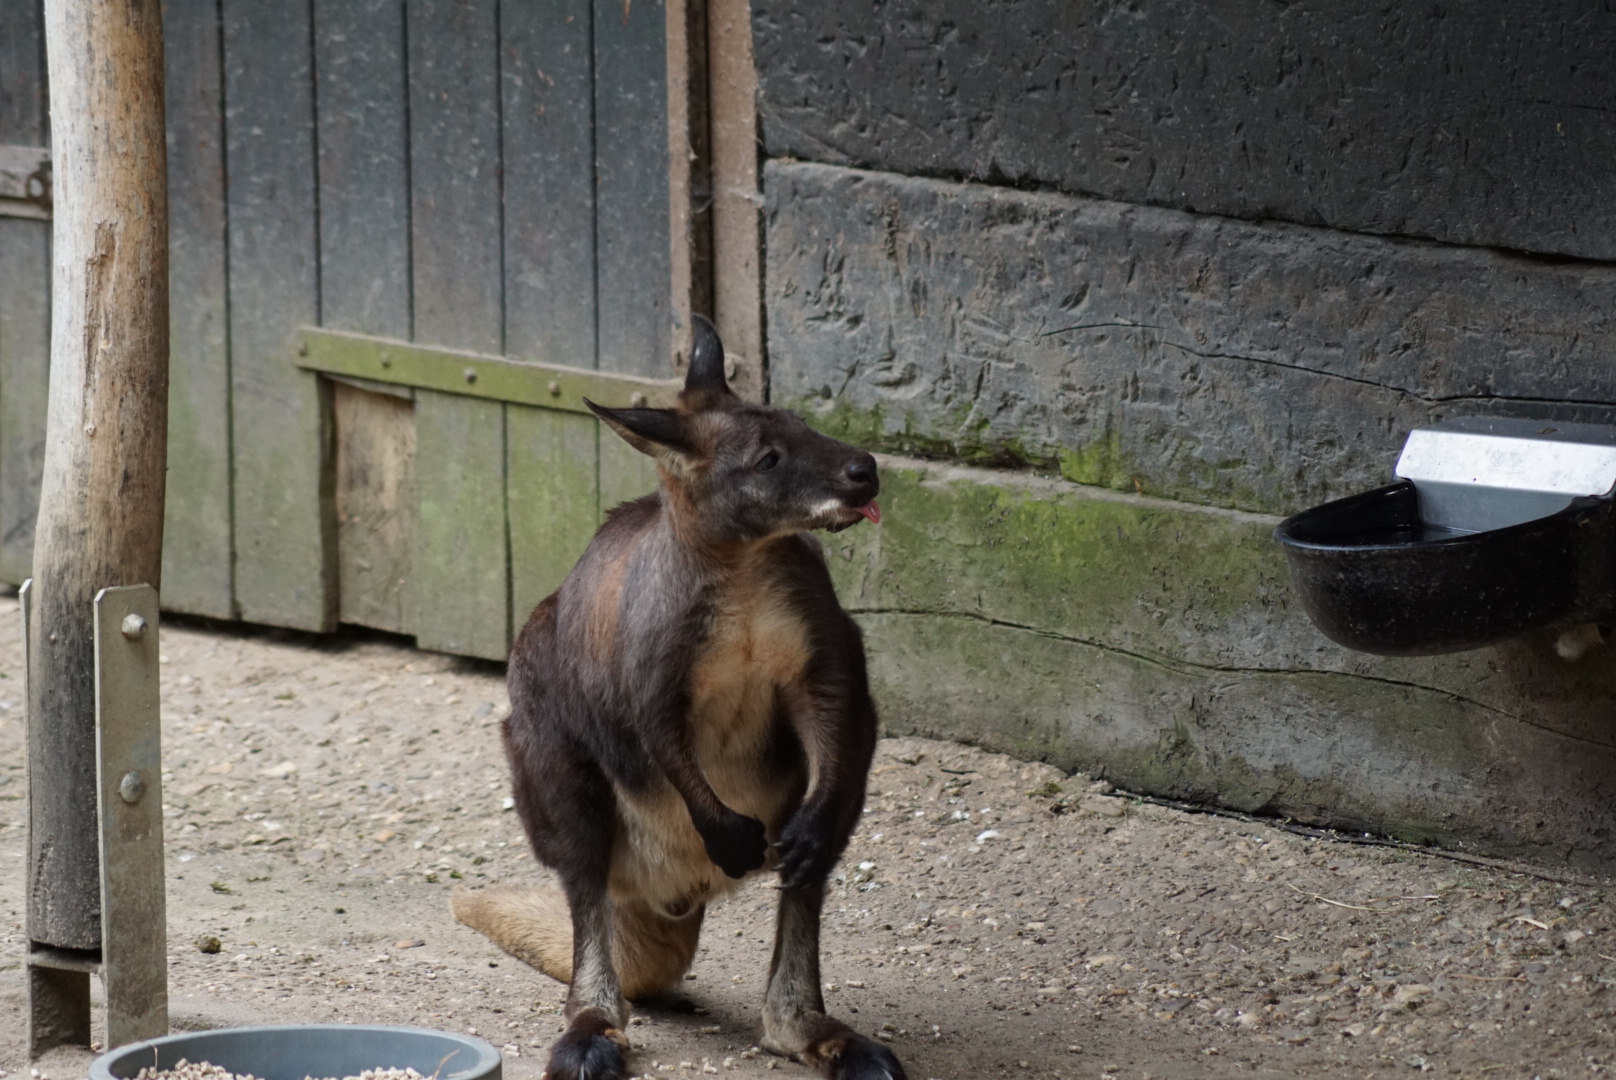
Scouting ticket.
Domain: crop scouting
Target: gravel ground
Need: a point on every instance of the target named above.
(991, 918)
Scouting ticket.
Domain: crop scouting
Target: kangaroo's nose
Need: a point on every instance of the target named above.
(861, 470)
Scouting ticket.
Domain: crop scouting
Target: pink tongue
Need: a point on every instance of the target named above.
(871, 511)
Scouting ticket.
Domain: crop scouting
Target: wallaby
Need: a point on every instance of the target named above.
(689, 707)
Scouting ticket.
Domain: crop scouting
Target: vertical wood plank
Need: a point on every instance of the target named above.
(462, 577)
(625, 473)
(462, 574)
(197, 563)
(631, 163)
(554, 500)
(548, 108)
(376, 504)
(454, 170)
(362, 104)
(690, 195)
(737, 218)
(364, 162)
(25, 271)
(632, 238)
(284, 525)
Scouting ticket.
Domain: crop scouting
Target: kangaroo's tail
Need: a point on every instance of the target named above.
(650, 951)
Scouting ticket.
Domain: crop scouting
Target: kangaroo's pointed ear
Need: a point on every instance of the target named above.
(650, 431)
(706, 372)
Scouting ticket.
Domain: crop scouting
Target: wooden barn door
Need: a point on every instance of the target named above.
(504, 198)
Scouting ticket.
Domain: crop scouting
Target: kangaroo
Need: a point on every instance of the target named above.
(688, 708)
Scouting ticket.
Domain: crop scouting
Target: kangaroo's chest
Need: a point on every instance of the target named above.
(756, 646)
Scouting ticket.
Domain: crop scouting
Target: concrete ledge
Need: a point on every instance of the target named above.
(1159, 644)
(1262, 366)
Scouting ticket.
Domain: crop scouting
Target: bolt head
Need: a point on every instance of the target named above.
(471, 375)
(637, 400)
(555, 388)
(132, 786)
(133, 626)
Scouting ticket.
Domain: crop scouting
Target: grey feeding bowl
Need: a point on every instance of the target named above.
(295, 1051)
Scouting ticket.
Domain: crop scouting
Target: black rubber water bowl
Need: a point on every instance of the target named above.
(1374, 577)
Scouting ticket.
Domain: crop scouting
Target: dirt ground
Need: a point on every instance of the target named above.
(991, 918)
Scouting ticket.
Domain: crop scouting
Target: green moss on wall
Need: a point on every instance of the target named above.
(1158, 644)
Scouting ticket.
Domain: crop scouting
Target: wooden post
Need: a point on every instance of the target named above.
(101, 501)
(737, 205)
(690, 196)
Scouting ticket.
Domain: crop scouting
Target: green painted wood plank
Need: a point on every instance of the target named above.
(462, 573)
(462, 577)
(473, 374)
(25, 269)
(625, 473)
(634, 267)
(284, 527)
(553, 500)
(25, 272)
(552, 465)
(197, 562)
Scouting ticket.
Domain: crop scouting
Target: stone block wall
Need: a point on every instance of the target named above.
(1137, 279)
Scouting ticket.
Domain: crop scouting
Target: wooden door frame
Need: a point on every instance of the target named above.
(715, 211)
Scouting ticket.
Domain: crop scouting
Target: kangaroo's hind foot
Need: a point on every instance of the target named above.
(592, 1048)
(839, 1052)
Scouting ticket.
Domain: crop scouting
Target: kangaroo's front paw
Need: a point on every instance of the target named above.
(806, 855)
(736, 844)
(591, 1049)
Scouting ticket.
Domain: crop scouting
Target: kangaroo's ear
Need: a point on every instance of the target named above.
(706, 372)
(650, 431)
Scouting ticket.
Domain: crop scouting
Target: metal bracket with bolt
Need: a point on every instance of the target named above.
(132, 959)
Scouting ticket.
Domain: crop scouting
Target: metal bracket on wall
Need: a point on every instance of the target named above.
(25, 182)
(133, 958)
(453, 371)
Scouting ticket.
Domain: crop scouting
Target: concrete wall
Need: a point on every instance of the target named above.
(1218, 257)
(1487, 122)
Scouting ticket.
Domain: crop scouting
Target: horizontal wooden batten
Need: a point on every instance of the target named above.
(454, 371)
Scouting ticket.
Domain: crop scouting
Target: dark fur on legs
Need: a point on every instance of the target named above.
(794, 1020)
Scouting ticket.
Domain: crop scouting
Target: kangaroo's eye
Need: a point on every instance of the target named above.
(769, 461)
